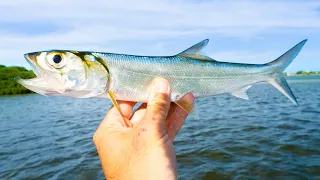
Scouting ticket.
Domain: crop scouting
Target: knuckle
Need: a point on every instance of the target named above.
(161, 100)
(95, 137)
(157, 108)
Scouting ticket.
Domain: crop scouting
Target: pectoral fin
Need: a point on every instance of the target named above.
(115, 103)
(242, 93)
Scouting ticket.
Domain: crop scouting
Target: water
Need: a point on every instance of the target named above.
(266, 137)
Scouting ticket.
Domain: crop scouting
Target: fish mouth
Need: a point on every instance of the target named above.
(32, 60)
(39, 84)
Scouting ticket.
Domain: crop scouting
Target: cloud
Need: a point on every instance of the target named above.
(112, 20)
(107, 25)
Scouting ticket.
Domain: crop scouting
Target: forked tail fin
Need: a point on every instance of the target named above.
(279, 65)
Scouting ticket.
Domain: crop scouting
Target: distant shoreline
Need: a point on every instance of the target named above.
(303, 75)
(9, 86)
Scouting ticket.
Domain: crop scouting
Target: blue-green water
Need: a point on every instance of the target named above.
(266, 137)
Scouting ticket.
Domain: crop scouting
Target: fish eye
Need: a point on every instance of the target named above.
(56, 60)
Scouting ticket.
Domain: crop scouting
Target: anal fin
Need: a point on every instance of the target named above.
(242, 93)
(187, 107)
(115, 103)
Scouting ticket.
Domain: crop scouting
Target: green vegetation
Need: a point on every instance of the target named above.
(311, 73)
(8, 86)
(303, 73)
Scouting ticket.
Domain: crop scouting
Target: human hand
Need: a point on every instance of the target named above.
(144, 151)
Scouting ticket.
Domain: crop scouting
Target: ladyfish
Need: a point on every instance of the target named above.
(84, 74)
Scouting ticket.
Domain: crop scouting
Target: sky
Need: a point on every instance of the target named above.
(244, 31)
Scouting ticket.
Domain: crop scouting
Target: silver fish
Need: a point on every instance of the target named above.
(84, 74)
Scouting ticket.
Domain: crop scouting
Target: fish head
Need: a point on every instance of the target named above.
(66, 73)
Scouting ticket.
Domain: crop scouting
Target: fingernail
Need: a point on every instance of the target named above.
(161, 86)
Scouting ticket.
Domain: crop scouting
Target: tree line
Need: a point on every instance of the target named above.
(9, 86)
(303, 73)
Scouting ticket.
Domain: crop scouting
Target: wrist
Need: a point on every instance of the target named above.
(154, 163)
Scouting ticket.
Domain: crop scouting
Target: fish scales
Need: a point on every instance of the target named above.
(131, 75)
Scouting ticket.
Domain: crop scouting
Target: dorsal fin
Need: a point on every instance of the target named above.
(195, 51)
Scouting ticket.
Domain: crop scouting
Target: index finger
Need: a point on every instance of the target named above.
(177, 116)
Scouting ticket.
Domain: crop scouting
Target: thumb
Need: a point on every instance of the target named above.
(159, 102)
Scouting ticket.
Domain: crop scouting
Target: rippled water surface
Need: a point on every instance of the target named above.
(266, 137)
